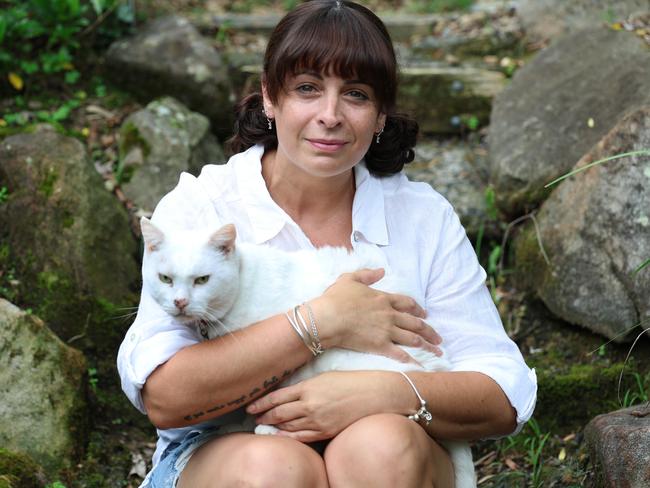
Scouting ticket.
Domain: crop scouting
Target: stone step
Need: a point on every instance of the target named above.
(401, 26)
(444, 99)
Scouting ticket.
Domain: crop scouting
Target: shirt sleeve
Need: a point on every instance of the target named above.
(460, 308)
(154, 337)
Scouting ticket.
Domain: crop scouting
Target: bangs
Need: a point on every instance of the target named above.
(333, 40)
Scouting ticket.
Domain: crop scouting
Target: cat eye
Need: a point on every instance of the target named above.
(165, 279)
(202, 280)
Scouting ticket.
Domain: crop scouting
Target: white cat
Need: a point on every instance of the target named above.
(200, 276)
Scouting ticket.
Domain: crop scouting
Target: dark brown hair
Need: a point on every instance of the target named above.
(340, 38)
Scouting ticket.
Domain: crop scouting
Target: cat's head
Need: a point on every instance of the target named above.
(191, 273)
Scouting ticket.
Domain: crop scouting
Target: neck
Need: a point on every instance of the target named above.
(303, 195)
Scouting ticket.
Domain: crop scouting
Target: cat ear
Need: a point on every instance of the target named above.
(152, 235)
(224, 238)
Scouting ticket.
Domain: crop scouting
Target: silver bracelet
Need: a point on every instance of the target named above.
(422, 415)
(308, 335)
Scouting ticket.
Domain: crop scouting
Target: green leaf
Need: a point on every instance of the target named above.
(641, 266)
(29, 67)
(61, 113)
(72, 77)
(98, 6)
(600, 161)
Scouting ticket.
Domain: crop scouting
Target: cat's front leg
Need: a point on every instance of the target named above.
(264, 429)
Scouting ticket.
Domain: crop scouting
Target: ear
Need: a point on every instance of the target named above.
(267, 105)
(224, 239)
(381, 122)
(152, 235)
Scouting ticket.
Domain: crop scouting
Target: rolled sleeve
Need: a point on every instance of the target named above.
(152, 340)
(460, 308)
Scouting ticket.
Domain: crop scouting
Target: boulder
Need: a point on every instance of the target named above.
(458, 172)
(43, 412)
(595, 228)
(170, 57)
(549, 19)
(619, 444)
(65, 241)
(539, 130)
(157, 144)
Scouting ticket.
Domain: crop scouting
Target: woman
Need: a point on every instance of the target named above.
(322, 150)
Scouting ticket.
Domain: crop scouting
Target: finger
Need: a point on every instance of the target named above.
(367, 276)
(281, 413)
(273, 399)
(395, 352)
(406, 304)
(418, 326)
(407, 338)
(304, 435)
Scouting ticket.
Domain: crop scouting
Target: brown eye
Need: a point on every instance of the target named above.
(202, 280)
(165, 279)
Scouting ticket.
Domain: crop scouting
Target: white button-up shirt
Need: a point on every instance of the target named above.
(414, 226)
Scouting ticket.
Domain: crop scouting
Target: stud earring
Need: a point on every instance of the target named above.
(381, 131)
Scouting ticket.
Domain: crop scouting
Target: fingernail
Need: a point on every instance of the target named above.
(252, 408)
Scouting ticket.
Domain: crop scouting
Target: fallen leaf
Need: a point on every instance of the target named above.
(569, 437)
(590, 123)
(16, 81)
(511, 464)
(562, 455)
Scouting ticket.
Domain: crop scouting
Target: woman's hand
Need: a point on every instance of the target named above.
(354, 316)
(321, 407)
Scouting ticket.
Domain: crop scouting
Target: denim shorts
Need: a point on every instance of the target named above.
(172, 462)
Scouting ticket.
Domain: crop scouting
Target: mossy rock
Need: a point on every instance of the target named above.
(65, 240)
(18, 470)
(569, 398)
(44, 410)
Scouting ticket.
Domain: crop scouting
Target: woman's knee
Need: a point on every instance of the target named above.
(253, 461)
(387, 449)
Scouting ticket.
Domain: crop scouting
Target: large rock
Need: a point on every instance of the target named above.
(595, 228)
(619, 443)
(558, 106)
(65, 239)
(42, 385)
(158, 143)
(169, 57)
(546, 19)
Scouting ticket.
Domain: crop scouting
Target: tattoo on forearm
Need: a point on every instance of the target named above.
(267, 385)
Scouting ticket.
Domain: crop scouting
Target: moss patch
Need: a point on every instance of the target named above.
(19, 470)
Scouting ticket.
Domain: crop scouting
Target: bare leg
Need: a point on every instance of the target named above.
(387, 450)
(252, 460)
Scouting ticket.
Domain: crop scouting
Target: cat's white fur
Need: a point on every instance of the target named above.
(246, 283)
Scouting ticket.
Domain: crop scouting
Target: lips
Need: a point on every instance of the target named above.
(329, 145)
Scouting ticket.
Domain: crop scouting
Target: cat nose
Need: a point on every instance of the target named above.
(181, 303)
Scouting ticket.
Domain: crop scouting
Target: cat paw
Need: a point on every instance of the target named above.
(266, 430)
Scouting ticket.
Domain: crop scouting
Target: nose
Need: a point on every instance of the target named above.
(330, 113)
(180, 303)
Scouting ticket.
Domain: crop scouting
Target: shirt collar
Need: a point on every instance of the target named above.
(267, 218)
(368, 211)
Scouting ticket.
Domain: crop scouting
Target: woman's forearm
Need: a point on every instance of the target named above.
(209, 379)
(465, 405)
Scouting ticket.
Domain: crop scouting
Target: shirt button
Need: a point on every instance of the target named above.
(356, 236)
(133, 336)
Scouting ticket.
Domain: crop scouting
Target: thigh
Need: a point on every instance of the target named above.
(253, 460)
(387, 450)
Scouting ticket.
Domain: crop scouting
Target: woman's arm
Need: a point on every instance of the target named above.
(209, 379)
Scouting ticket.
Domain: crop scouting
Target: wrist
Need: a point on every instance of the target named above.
(320, 312)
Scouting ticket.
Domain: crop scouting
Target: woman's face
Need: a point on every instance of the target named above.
(324, 124)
